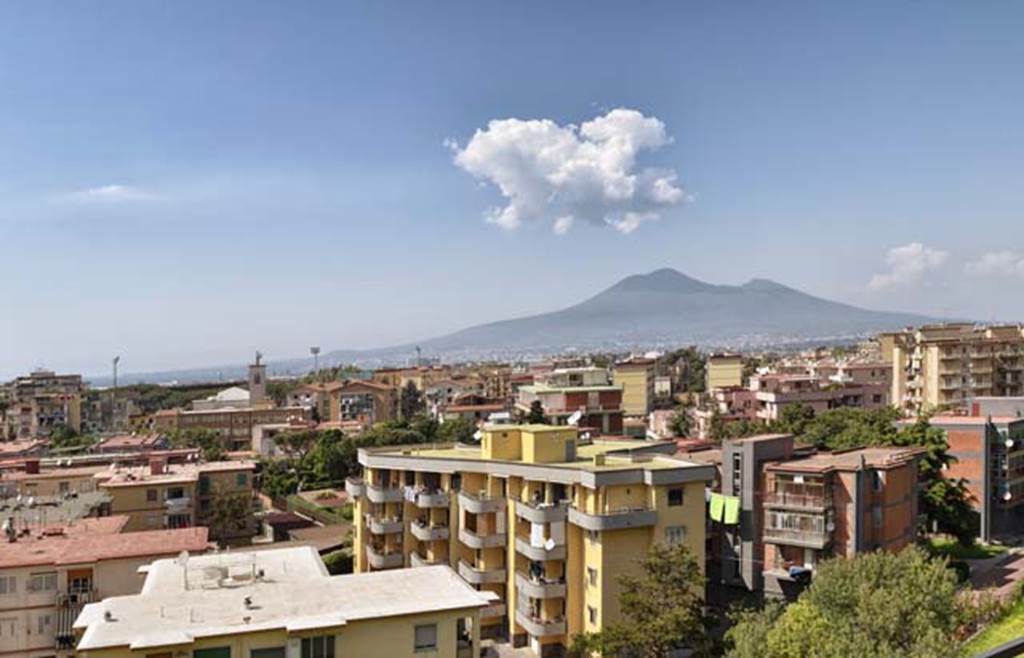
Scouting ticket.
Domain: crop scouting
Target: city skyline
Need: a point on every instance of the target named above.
(188, 181)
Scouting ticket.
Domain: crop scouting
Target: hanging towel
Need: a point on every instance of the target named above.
(558, 532)
(732, 510)
(716, 507)
(537, 535)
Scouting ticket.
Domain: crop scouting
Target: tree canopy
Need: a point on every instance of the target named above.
(875, 604)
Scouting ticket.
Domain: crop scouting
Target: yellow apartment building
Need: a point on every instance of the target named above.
(282, 603)
(636, 377)
(48, 573)
(543, 520)
(181, 495)
(950, 364)
(723, 371)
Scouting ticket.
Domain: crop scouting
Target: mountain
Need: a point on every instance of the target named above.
(664, 308)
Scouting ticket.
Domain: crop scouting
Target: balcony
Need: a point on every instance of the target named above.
(539, 553)
(476, 576)
(539, 588)
(792, 537)
(417, 560)
(425, 532)
(541, 512)
(480, 503)
(382, 559)
(613, 519)
(538, 627)
(355, 487)
(429, 499)
(785, 499)
(69, 606)
(473, 540)
(493, 611)
(380, 526)
(383, 494)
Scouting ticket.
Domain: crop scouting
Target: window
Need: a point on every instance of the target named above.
(8, 585)
(321, 646)
(592, 614)
(426, 638)
(877, 481)
(675, 497)
(268, 652)
(151, 495)
(674, 535)
(593, 536)
(175, 492)
(592, 576)
(7, 626)
(43, 624)
(42, 582)
(241, 479)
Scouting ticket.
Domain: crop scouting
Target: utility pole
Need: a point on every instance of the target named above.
(117, 360)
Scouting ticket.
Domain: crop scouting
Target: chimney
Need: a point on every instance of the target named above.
(156, 466)
(32, 466)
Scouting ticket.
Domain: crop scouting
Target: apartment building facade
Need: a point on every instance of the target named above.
(946, 365)
(171, 496)
(282, 603)
(636, 377)
(583, 394)
(543, 521)
(41, 401)
(774, 392)
(233, 425)
(988, 453)
(48, 574)
(723, 371)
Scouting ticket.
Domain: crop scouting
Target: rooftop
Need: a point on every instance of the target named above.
(970, 420)
(849, 460)
(95, 540)
(173, 473)
(285, 589)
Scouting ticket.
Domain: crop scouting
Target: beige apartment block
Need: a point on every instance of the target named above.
(282, 603)
(48, 574)
(723, 371)
(947, 365)
(636, 377)
(544, 521)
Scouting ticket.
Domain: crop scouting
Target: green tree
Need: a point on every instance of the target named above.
(749, 633)
(680, 424)
(794, 419)
(457, 430)
(875, 604)
(662, 610)
(230, 512)
(536, 413)
(410, 401)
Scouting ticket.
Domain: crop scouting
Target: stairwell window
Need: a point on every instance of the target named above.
(426, 638)
(675, 497)
(592, 576)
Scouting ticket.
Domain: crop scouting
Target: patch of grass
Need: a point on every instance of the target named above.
(1009, 627)
(945, 547)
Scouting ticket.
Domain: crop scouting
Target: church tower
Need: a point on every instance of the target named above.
(257, 381)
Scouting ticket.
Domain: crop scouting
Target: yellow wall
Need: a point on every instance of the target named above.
(637, 389)
(724, 372)
(546, 446)
(502, 444)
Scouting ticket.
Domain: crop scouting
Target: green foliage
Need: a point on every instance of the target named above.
(458, 430)
(944, 547)
(151, 397)
(1009, 625)
(662, 610)
(749, 633)
(719, 429)
(209, 442)
(679, 424)
(874, 604)
(794, 419)
(229, 511)
(849, 427)
(695, 361)
(410, 401)
(64, 438)
(536, 414)
(339, 562)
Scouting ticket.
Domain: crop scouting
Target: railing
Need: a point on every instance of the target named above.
(425, 532)
(493, 610)
(480, 503)
(383, 494)
(539, 553)
(436, 498)
(634, 517)
(542, 512)
(477, 576)
(803, 501)
(355, 487)
(473, 540)
(539, 588)
(811, 538)
(538, 626)
(383, 526)
(382, 559)
(417, 560)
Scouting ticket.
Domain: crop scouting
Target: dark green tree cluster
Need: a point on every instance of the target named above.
(536, 414)
(902, 605)
(693, 380)
(662, 611)
(64, 438)
(210, 444)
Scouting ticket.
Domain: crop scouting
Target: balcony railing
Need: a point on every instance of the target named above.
(539, 553)
(798, 501)
(477, 576)
(425, 532)
(383, 494)
(383, 558)
(539, 627)
(539, 588)
(493, 610)
(637, 517)
(355, 487)
(429, 499)
(473, 540)
(541, 512)
(789, 536)
(379, 526)
(417, 560)
(480, 503)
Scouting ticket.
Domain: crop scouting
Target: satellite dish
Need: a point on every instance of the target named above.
(574, 419)
(478, 435)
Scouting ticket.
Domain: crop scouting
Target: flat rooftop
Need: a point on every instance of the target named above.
(969, 420)
(848, 460)
(96, 540)
(173, 473)
(287, 589)
(47, 511)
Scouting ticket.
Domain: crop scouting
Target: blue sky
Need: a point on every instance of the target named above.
(182, 183)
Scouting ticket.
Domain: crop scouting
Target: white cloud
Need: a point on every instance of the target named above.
(908, 265)
(552, 173)
(997, 263)
(112, 194)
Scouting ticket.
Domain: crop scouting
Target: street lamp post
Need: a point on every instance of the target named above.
(315, 351)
